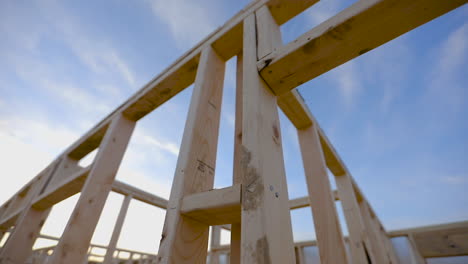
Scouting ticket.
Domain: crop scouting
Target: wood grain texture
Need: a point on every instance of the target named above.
(266, 224)
(214, 207)
(185, 240)
(117, 229)
(327, 226)
(74, 243)
(356, 30)
(358, 242)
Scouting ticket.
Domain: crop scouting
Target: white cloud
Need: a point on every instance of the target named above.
(323, 10)
(347, 81)
(455, 179)
(188, 21)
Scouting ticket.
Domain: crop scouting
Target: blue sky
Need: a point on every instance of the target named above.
(397, 114)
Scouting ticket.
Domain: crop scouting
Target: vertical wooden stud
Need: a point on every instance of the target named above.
(377, 248)
(26, 229)
(215, 243)
(353, 218)
(266, 224)
(300, 255)
(237, 170)
(327, 226)
(74, 243)
(117, 229)
(417, 257)
(183, 239)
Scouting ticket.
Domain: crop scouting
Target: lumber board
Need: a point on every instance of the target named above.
(68, 187)
(138, 194)
(214, 207)
(236, 228)
(302, 202)
(226, 40)
(327, 225)
(359, 243)
(450, 241)
(117, 229)
(75, 240)
(457, 229)
(356, 30)
(266, 224)
(185, 240)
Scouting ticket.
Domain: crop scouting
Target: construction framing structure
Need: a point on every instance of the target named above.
(256, 207)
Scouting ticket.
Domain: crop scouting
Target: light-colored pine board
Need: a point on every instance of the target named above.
(302, 202)
(376, 249)
(215, 243)
(214, 207)
(327, 226)
(234, 257)
(73, 245)
(354, 221)
(356, 30)
(140, 195)
(117, 229)
(27, 226)
(416, 254)
(185, 240)
(266, 225)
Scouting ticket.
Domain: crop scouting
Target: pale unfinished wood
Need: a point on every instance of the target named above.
(300, 259)
(73, 244)
(117, 229)
(356, 228)
(140, 195)
(416, 254)
(266, 225)
(215, 243)
(28, 223)
(356, 30)
(185, 240)
(376, 249)
(214, 207)
(237, 168)
(302, 202)
(327, 226)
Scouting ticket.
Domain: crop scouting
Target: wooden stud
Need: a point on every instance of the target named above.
(356, 30)
(117, 229)
(183, 239)
(327, 226)
(354, 220)
(416, 254)
(266, 225)
(74, 243)
(214, 207)
(28, 224)
(376, 246)
(237, 169)
(300, 259)
(215, 242)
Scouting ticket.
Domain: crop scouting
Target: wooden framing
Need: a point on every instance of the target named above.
(257, 205)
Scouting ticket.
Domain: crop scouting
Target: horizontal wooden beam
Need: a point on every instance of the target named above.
(215, 207)
(138, 194)
(226, 40)
(439, 240)
(302, 202)
(358, 29)
(445, 240)
(62, 190)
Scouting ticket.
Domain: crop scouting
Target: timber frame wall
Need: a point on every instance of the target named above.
(256, 207)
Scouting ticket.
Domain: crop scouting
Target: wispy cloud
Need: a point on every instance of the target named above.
(188, 21)
(348, 82)
(445, 88)
(455, 179)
